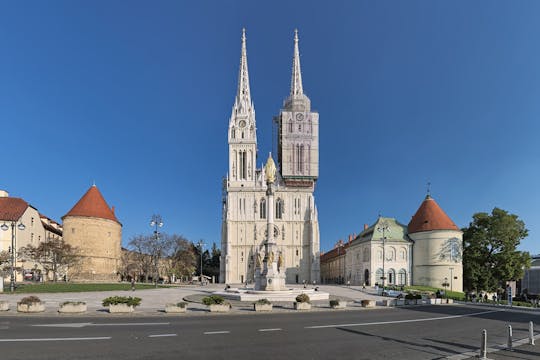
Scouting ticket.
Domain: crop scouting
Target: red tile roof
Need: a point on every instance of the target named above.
(11, 209)
(430, 216)
(92, 204)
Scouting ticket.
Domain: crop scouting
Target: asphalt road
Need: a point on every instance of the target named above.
(423, 332)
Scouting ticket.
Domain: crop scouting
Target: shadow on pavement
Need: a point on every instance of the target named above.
(423, 347)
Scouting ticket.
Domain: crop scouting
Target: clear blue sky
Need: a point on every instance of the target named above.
(136, 95)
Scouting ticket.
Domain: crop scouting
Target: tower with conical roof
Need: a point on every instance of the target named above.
(92, 227)
(437, 250)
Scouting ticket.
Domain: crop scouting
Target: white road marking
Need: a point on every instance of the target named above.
(161, 335)
(80, 325)
(276, 329)
(131, 324)
(72, 325)
(57, 339)
(401, 321)
(216, 332)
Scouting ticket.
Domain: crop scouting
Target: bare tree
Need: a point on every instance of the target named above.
(181, 258)
(54, 255)
(5, 262)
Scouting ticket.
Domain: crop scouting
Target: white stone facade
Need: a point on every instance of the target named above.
(244, 218)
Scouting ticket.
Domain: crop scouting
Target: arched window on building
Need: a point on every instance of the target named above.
(262, 209)
(391, 276)
(279, 208)
(402, 277)
(402, 254)
(233, 134)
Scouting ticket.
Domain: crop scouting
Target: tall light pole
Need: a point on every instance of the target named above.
(13, 251)
(156, 222)
(200, 244)
(383, 228)
(451, 279)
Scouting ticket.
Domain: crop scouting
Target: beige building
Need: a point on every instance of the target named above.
(92, 227)
(428, 251)
(333, 264)
(245, 211)
(29, 228)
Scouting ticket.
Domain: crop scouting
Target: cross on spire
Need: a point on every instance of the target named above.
(428, 190)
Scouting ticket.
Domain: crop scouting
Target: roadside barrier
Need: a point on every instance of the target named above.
(509, 341)
(531, 333)
(483, 345)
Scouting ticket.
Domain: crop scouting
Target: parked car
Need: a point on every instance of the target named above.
(393, 293)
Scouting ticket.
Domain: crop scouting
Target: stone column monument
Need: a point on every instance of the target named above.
(267, 274)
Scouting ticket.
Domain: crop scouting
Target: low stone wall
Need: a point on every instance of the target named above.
(302, 306)
(174, 309)
(31, 308)
(121, 308)
(72, 308)
(4, 306)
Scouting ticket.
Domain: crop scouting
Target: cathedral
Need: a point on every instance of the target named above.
(294, 213)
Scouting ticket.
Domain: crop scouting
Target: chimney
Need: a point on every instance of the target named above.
(350, 238)
(366, 226)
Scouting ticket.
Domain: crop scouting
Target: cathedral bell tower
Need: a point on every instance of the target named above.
(242, 128)
(298, 141)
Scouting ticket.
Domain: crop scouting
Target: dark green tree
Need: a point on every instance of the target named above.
(490, 255)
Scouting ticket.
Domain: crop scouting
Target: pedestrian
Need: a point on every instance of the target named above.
(132, 283)
(485, 298)
(363, 286)
(349, 283)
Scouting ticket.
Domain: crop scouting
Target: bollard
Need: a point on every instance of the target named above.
(531, 333)
(509, 343)
(483, 345)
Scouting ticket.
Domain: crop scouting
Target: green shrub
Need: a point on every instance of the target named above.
(29, 300)
(302, 298)
(334, 303)
(263, 302)
(411, 296)
(128, 300)
(73, 303)
(213, 300)
(181, 304)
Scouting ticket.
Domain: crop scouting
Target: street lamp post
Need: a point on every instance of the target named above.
(200, 244)
(156, 222)
(5, 227)
(451, 279)
(383, 228)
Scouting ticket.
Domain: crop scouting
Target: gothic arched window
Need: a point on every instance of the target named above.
(279, 208)
(262, 209)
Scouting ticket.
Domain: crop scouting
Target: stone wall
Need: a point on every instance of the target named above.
(99, 243)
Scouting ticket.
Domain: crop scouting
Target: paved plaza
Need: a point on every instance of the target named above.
(154, 300)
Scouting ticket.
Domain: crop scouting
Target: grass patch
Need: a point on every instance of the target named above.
(456, 295)
(76, 287)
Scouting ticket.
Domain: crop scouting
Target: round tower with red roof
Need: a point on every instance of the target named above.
(92, 227)
(437, 250)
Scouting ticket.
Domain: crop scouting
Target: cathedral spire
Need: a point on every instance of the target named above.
(243, 93)
(296, 80)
